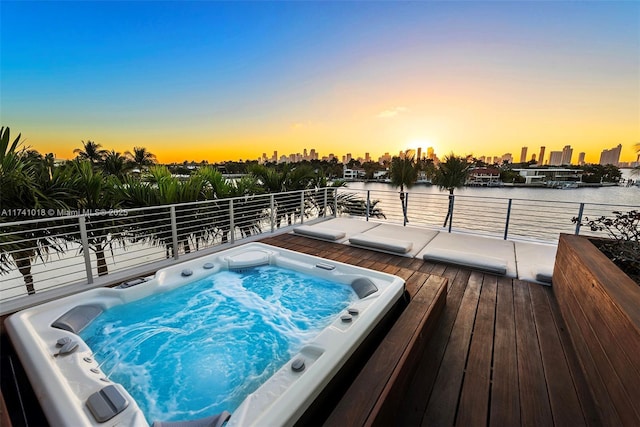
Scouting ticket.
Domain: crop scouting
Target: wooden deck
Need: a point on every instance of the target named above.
(500, 355)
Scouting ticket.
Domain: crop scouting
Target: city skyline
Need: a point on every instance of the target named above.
(223, 81)
(556, 157)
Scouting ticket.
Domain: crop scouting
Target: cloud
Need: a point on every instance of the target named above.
(387, 114)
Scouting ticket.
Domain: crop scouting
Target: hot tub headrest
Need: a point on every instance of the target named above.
(363, 287)
(106, 403)
(76, 319)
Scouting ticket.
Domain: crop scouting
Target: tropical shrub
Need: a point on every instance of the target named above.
(623, 246)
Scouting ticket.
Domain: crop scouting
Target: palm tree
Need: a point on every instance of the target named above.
(90, 151)
(96, 192)
(113, 163)
(403, 173)
(289, 179)
(141, 158)
(452, 173)
(25, 183)
(249, 211)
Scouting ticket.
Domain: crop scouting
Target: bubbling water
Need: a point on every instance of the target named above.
(202, 348)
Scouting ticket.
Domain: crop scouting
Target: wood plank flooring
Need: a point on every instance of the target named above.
(500, 355)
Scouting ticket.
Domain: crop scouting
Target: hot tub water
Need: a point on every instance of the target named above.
(202, 348)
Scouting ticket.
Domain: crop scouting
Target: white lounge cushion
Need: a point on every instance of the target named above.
(475, 261)
(478, 252)
(382, 243)
(535, 261)
(319, 232)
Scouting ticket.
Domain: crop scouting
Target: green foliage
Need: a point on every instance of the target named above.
(511, 176)
(98, 180)
(600, 173)
(452, 173)
(141, 158)
(403, 172)
(623, 246)
(90, 151)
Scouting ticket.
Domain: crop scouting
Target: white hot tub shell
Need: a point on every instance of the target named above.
(64, 384)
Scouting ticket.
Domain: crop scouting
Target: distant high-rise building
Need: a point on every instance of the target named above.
(313, 155)
(385, 158)
(581, 158)
(275, 156)
(347, 158)
(533, 157)
(430, 153)
(507, 157)
(304, 154)
(611, 156)
(419, 155)
(523, 155)
(541, 156)
(567, 153)
(555, 158)
(367, 157)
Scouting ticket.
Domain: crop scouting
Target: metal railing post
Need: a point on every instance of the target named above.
(579, 222)
(406, 209)
(272, 216)
(451, 202)
(335, 202)
(232, 223)
(85, 248)
(324, 205)
(506, 225)
(302, 207)
(368, 204)
(174, 231)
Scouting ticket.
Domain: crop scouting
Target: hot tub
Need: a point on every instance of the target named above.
(73, 390)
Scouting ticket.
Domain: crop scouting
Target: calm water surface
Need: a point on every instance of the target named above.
(609, 195)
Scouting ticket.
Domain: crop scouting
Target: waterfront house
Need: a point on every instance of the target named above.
(549, 176)
(484, 177)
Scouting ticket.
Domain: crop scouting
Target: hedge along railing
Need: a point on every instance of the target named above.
(506, 218)
(95, 248)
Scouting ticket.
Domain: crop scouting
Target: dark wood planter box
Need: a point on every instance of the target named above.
(601, 308)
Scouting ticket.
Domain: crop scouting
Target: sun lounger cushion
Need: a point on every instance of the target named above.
(319, 232)
(475, 261)
(535, 261)
(382, 243)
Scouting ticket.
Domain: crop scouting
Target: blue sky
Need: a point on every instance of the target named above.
(228, 80)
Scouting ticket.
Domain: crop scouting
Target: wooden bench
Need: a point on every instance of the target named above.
(376, 393)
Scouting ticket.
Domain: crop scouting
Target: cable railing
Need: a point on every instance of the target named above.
(98, 248)
(506, 218)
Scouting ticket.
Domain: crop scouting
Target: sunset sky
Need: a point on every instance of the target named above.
(216, 81)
